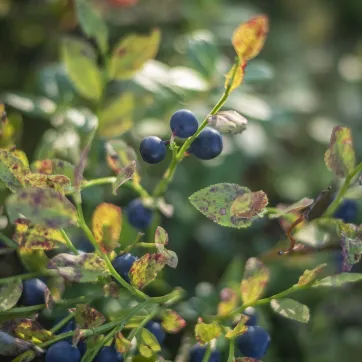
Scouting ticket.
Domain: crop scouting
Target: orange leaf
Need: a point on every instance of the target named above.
(248, 39)
(235, 76)
(107, 225)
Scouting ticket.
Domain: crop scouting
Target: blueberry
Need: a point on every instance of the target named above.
(62, 351)
(197, 353)
(123, 264)
(138, 215)
(207, 145)
(82, 346)
(254, 342)
(152, 149)
(183, 123)
(108, 354)
(251, 313)
(70, 326)
(156, 329)
(33, 292)
(347, 211)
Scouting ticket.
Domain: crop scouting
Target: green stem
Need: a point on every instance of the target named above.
(110, 267)
(69, 242)
(169, 298)
(62, 323)
(231, 350)
(27, 276)
(207, 353)
(120, 323)
(347, 182)
(23, 310)
(10, 243)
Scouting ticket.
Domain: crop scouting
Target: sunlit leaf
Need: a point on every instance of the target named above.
(32, 331)
(206, 332)
(172, 322)
(10, 294)
(228, 301)
(291, 309)
(87, 317)
(248, 39)
(338, 280)
(107, 225)
(43, 206)
(145, 269)
(59, 183)
(132, 52)
(310, 275)
(256, 276)
(36, 236)
(80, 63)
(228, 122)
(235, 76)
(21, 155)
(124, 175)
(79, 268)
(148, 344)
(239, 329)
(121, 343)
(92, 24)
(340, 156)
(299, 205)
(229, 204)
(54, 167)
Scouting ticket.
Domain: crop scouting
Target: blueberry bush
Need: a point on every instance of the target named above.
(119, 253)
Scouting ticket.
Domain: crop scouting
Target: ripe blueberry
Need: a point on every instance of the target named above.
(156, 329)
(33, 292)
(108, 354)
(197, 353)
(254, 342)
(183, 123)
(123, 264)
(62, 351)
(207, 145)
(251, 313)
(152, 149)
(347, 211)
(138, 215)
(82, 346)
(70, 326)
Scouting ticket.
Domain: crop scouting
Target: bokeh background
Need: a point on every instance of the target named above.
(306, 80)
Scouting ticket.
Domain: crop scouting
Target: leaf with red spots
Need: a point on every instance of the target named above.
(310, 275)
(87, 317)
(299, 205)
(161, 239)
(340, 157)
(235, 76)
(206, 332)
(43, 206)
(54, 167)
(230, 204)
(20, 155)
(239, 329)
(107, 226)
(249, 38)
(12, 170)
(37, 236)
(32, 331)
(57, 182)
(132, 52)
(145, 269)
(172, 322)
(228, 301)
(79, 268)
(256, 276)
(121, 343)
(10, 293)
(124, 175)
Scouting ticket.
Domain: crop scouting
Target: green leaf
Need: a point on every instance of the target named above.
(338, 280)
(161, 239)
(43, 206)
(79, 268)
(11, 346)
(10, 294)
(148, 344)
(239, 329)
(132, 52)
(256, 276)
(310, 275)
(291, 309)
(12, 170)
(145, 269)
(172, 322)
(92, 24)
(80, 63)
(258, 71)
(32, 331)
(228, 122)
(206, 332)
(340, 156)
(87, 317)
(299, 205)
(117, 117)
(33, 259)
(124, 175)
(54, 167)
(229, 204)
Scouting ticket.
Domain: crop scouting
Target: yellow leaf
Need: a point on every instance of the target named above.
(235, 76)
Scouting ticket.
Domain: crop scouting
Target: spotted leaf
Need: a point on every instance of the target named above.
(32, 331)
(206, 332)
(57, 182)
(239, 329)
(54, 167)
(310, 275)
(235, 76)
(87, 317)
(172, 322)
(10, 294)
(161, 239)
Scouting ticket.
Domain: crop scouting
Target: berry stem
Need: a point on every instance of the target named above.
(43, 273)
(10, 243)
(207, 353)
(62, 323)
(69, 242)
(176, 159)
(231, 350)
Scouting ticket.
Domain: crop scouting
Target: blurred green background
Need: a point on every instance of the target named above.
(306, 80)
